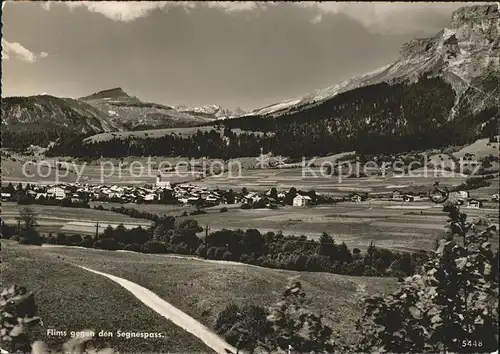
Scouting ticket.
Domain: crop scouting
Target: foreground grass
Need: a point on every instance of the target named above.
(71, 299)
(203, 288)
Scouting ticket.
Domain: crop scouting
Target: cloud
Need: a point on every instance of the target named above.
(234, 6)
(378, 17)
(385, 17)
(126, 11)
(17, 50)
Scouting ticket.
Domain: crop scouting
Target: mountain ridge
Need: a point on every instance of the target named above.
(473, 32)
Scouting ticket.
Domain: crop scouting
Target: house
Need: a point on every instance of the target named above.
(150, 197)
(40, 195)
(6, 196)
(408, 198)
(56, 192)
(396, 194)
(474, 203)
(301, 200)
(161, 183)
(359, 197)
(356, 198)
(495, 197)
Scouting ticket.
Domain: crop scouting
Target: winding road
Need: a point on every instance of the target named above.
(171, 313)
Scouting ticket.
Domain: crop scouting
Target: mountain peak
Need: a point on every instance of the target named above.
(109, 93)
(474, 13)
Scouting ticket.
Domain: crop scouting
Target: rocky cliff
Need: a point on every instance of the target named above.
(465, 54)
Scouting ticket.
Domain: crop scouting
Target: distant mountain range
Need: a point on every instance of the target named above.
(107, 110)
(444, 89)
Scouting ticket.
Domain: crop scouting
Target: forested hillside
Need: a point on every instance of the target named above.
(376, 118)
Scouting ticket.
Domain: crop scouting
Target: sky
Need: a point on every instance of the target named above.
(234, 54)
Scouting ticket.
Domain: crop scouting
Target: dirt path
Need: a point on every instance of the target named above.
(171, 313)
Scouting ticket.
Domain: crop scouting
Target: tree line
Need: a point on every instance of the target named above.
(381, 118)
(273, 250)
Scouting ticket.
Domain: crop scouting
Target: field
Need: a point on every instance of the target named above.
(71, 220)
(126, 171)
(313, 178)
(480, 148)
(203, 288)
(393, 225)
(97, 172)
(71, 299)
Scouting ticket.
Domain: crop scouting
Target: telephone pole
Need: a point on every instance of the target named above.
(96, 230)
(207, 229)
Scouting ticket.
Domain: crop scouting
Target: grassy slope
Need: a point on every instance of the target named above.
(72, 299)
(202, 289)
(71, 220)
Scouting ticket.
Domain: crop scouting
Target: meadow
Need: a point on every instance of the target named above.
(71, 299)
(203, 288)
(392, 225)
(71, 220)
(314, 179)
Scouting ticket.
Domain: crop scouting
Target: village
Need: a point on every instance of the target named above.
(163, 192)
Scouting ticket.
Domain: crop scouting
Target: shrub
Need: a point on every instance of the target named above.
(223, 210)
(246, 206)
(132, 247)
(154, 247)
(227, 256)
(198, 212)
(201, 251)
(107, 244)
(452, 300)
(18, 313)
(212, 252)
(31, 237)
(87, 241)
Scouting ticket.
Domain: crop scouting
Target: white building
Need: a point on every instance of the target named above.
(56, 192)
(474, 203)
(160, 183)
(6, 196)
(301, 200)
(150, 197)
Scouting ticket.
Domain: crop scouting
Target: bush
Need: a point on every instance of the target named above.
(18, 313)
(30, 237)
(154, 247)
(246, 206)
(212, 252)
(201, 251)
(227, 256)
(452, 299)
(18, 310)
(107, 244)
(87, 241)
(223, 210)
(132, 247)
(198, 212)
